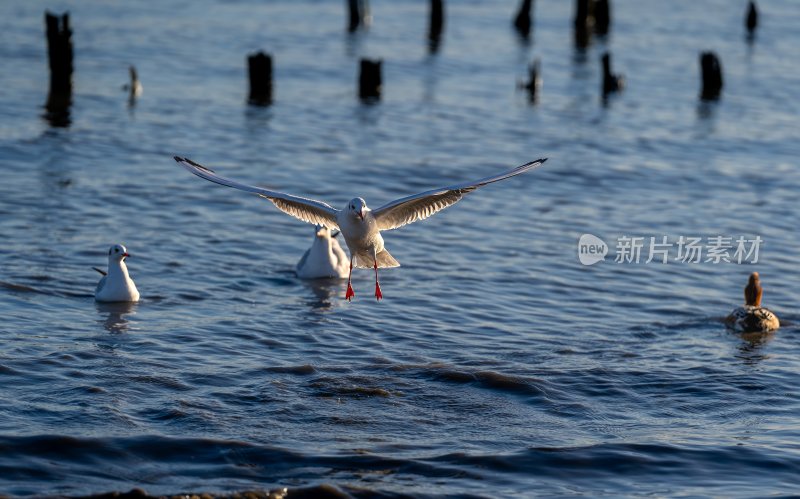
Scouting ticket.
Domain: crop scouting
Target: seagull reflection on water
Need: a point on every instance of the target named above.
(323, 291)
(115, 321)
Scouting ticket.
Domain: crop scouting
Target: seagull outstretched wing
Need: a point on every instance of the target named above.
(307, 210)
(421, 206)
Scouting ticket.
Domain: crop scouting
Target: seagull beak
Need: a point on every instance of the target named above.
(126, 255)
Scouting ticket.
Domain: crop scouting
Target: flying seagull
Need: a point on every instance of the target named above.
(361, 226)
(116, 285)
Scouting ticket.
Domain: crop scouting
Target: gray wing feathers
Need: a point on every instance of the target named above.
(100, 284)
(421, 206)
(416, 208)
(307, 210)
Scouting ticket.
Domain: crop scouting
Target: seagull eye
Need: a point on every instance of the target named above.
(116, 250)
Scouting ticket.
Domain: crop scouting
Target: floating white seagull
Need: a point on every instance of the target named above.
(325, 258)
(116, 285)
(361, 226)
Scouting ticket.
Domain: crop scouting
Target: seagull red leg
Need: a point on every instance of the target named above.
(378, 294)
(350, 293)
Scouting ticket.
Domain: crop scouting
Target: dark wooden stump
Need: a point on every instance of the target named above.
(522, 22)
(602, 17)
(436, 25)
(260, 69)
(369, 80)
(712, 76)
(60, 55)
(534, 83)
(611, 82)
(583, 23)
(751, 20)
(355, 15)
(359, 14)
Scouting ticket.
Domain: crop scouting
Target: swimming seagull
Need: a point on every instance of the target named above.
(116, 285)
(361, 226)
(753, 318)
(325, 258)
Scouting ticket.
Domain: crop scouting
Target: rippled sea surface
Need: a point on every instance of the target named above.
(497, 364)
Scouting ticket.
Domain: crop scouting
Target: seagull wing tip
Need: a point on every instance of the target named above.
(187, 161)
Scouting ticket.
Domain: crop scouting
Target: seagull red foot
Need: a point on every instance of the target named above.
(350, 293)
(378, 294)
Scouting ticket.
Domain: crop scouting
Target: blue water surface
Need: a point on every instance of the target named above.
(497, 364)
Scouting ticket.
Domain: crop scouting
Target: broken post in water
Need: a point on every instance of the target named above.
(369, 80)
(359, 14)
(436, 25)
(751, 20)
(712, 76)
(59, 51)
(611, 82)
(260, 68)
(522, 22)
(534, 83)
(583, 23)
(602, 16)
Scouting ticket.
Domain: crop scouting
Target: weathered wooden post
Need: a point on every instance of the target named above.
(359, 14)
(522, 22)
(369, 80)
(59, 50)
(436, 25)
(712, 76)
(355, 15)
(602, 16)
(751, 20)
(260, 69)
(611, 83)
(583, 23)
(534, 83)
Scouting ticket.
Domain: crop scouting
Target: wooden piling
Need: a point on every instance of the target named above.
(751, 20)
(369, 80)
(522, 21)
(260, 70)
(355, 15)
(60, 56)
(602, 17)
(436, 25)
(583, 23)
(359, 15)
(534, 83)
(711, 71)
(611, 82)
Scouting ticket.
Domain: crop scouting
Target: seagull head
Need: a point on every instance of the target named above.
(117, 253)
(358, 208)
